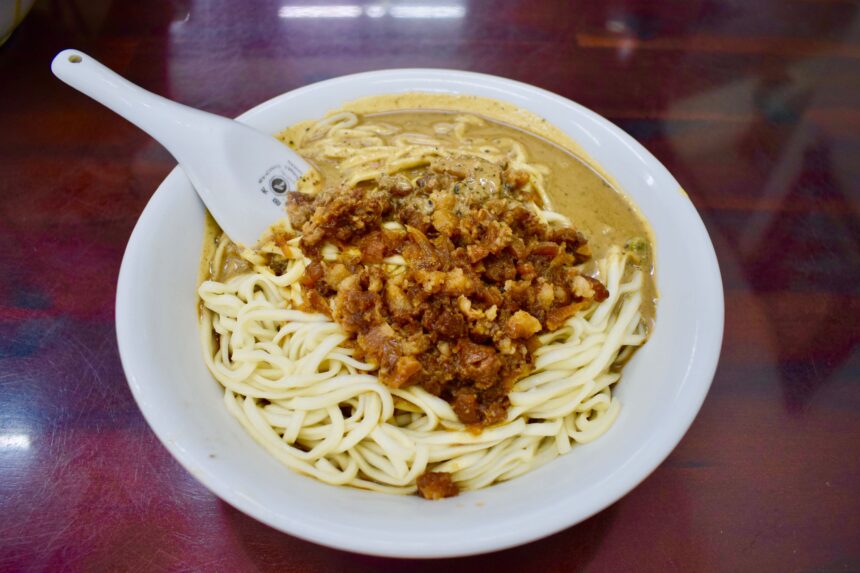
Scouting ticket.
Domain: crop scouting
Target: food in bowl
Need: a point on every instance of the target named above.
(664, 383)
(448, 304)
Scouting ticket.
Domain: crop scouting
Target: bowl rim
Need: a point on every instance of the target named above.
(657, 450)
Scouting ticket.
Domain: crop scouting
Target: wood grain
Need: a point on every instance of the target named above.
(753, 106)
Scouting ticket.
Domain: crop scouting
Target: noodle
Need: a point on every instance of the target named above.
(292, 381)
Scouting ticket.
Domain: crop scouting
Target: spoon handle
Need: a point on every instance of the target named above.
(242, 175)
(174, 125)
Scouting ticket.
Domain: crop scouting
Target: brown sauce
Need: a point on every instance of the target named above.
(576, 190)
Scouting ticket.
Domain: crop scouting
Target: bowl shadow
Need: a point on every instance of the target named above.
(267, 549)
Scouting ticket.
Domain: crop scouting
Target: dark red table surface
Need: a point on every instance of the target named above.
(754, 106)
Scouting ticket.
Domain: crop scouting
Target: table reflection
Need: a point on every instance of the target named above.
(380, 10)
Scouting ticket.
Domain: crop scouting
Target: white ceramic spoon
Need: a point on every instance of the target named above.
(241, 174)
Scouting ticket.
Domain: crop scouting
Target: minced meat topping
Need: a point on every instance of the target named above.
(436, 485)
(484, 275)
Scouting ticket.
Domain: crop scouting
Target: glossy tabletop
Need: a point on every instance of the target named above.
(753, 106)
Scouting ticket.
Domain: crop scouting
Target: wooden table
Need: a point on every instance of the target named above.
(753, 106)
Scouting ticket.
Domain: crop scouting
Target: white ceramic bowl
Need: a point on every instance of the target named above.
(661, 392)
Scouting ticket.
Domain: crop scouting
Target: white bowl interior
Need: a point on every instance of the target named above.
(661, 391)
